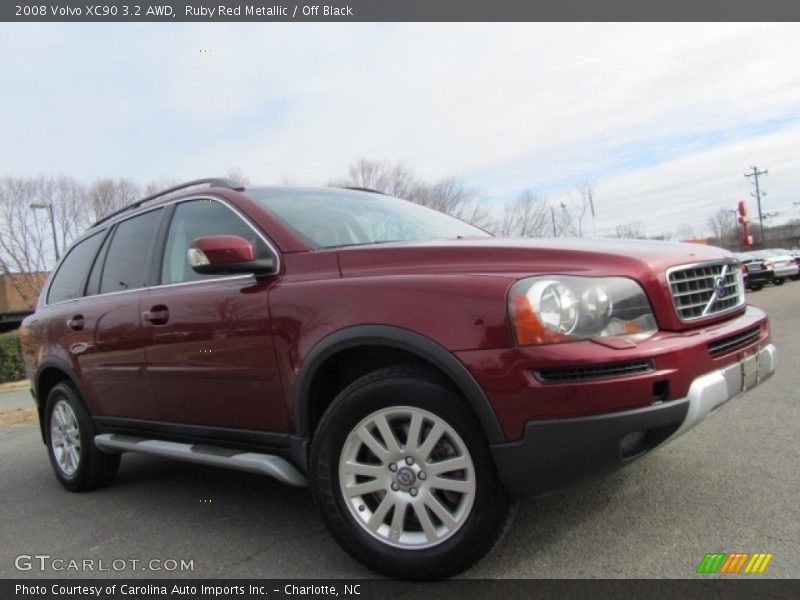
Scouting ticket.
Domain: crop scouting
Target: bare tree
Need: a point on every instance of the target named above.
(724, 227)
(449, 195)
(631, 230)
(106, 196)
(454, 198)
(154, 186)
(236, 177)
(72, 214)
(562, 222)
(527, 215)
(395, 180)
(25, 235)
(27, 245)
(579, 205)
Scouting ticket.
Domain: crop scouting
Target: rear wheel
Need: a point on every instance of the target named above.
(754, 287)
(69, 432)
(778, 281)
(404, 478)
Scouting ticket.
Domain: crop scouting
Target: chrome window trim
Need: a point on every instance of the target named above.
(137, 213)
(157, 287)
(731, 262)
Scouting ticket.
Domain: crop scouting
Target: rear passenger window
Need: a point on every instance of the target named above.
(127, 265)
(93, 285)
(71, 275)
(199, 218)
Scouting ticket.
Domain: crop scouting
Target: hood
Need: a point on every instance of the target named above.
(519, 257)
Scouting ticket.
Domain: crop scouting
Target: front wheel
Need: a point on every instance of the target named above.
(69, 432)
(778, 281)
(404, 478)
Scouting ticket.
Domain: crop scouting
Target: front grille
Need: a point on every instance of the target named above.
(734, 342)
(560, 374)
(704, 290)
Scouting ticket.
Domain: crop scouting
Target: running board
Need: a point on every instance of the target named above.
(253, 462)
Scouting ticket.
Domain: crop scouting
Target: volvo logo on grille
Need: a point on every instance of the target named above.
(719, 286)
(719, 290)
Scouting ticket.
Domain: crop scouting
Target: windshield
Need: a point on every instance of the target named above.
(327, 218)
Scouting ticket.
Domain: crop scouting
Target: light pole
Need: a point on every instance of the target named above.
(49, 207)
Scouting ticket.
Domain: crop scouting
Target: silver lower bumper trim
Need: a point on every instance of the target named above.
(712, 390)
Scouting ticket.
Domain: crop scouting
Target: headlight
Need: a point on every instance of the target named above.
(565, 308)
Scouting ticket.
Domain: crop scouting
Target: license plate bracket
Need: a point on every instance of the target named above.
(750, 371)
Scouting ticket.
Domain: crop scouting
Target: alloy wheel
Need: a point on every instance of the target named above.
(407, 477)
(65, 438)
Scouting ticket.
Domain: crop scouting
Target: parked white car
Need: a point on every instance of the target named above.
(783, 263)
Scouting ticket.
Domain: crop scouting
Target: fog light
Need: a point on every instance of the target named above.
(631, 442)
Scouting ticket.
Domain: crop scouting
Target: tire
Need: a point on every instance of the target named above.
(756, 287)
(778, 281)
(69, 433)
(355, 482)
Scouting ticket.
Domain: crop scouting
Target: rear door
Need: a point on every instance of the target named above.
(63, 323)
(92, 311)
(210, 354)
(114, 368)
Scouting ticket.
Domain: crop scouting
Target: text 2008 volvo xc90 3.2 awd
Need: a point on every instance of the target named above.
(415, 372)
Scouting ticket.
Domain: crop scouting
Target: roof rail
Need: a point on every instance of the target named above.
(365, 189)
(211, 181)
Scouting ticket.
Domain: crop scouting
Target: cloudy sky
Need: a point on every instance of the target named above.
(666, 118)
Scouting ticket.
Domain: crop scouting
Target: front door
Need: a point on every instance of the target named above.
(210, 355)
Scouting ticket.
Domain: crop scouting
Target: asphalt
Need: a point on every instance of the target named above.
(730, 485)
(14, 399)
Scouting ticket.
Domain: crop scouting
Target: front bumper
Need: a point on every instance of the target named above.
(554, 453)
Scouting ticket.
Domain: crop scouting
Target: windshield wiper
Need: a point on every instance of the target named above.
(364, 244)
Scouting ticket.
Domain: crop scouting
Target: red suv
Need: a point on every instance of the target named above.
(415, 372)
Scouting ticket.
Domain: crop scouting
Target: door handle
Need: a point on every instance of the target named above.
(75, 323)
(157, 315)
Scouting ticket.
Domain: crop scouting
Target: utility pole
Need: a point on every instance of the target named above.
(755, 175)
(553, 216)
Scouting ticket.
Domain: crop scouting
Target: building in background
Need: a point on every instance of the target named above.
(18, 295)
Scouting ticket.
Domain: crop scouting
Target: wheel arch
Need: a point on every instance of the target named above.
(421, 348)
(49, 373)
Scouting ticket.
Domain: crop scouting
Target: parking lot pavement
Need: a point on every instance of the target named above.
(14, 399)
(729, 485)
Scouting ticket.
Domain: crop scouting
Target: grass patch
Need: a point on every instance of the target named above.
(20, 415)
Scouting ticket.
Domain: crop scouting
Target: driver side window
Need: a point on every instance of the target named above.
(199, 218)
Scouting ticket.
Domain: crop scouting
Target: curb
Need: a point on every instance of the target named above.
(14, 385)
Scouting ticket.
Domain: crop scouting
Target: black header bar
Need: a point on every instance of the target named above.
(397, 10)
(700, 588)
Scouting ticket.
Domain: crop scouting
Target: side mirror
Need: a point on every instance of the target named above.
(226, 254)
